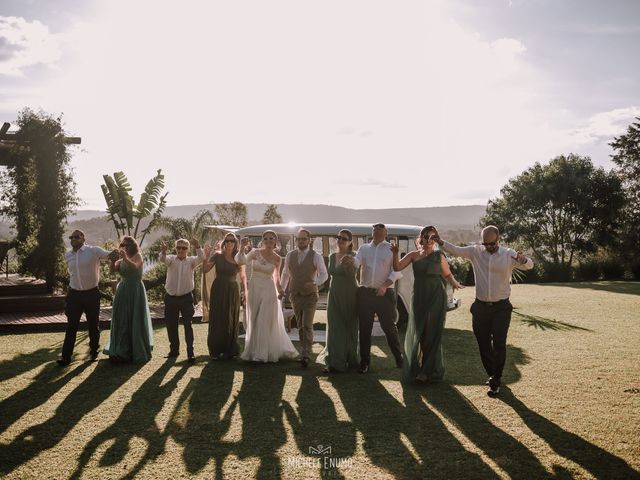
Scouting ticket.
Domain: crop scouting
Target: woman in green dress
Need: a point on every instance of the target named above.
(131, 336)
(341, 350)
(423, 340)
(224, 309)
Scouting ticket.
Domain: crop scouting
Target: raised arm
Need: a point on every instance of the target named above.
(401, 264)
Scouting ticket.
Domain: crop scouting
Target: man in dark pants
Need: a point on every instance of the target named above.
(491, 311)
(179, 297)
(376, 295)
(83, 296)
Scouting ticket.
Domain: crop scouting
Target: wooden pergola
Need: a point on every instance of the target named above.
(8, 141)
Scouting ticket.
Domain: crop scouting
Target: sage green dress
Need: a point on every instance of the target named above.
(423, 341)
(131, 335)
(341, 350)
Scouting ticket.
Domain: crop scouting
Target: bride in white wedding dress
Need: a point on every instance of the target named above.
(266, 338)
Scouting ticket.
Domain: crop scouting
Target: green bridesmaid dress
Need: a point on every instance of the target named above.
(131, 336)
(423, 341)
(341, 350)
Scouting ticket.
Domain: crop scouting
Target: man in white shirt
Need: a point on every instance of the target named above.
(83, 296)
(179, 294)
(304, 272)
(376, 295)
(491, 311)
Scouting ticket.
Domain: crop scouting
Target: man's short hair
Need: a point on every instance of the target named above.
(490, 229)
(79, 232)
(183, 240)
(304, 230)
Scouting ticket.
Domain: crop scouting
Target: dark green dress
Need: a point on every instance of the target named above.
(423, 341)
(341, 350)
(224, 309)
(131, 336)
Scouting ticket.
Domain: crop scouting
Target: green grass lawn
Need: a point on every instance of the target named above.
(570, 407)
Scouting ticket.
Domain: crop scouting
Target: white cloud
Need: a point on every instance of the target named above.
(24, 44)
(605, 125)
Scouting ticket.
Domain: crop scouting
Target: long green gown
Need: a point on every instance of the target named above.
(224, 310)
(341, 350)
(131, 336)
(423, 341)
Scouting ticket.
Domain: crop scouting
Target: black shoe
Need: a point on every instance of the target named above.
(364, 368)
(171, 355)
(494, 382)
(304, 362)
(94, 356)
(191, 359)
(493, 391)
(63, 362)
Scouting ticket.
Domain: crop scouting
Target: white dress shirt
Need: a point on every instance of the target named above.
(84, 266)
(377, 264)
(180, 273)
(321, 269)
(492, 272)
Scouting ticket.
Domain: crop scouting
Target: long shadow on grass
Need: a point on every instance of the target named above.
(45, 384)
(26, 361)
(463, 366)
(315, 425)
(599, 462)
(198, 421)
(136, 420)
(260, 401)
(95, 389)
(628, 288)
(407, 441)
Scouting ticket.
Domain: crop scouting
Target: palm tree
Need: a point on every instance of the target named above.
(123, 210)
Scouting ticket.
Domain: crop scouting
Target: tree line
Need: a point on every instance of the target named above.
(578, 220)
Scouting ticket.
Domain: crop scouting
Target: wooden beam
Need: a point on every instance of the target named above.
(4, 129)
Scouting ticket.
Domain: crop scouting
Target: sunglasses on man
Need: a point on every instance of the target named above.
(181, 247)
(75, 237)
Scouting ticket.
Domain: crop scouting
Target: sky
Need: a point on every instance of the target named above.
(362, 104)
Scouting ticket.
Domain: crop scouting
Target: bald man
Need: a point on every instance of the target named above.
(491, 311)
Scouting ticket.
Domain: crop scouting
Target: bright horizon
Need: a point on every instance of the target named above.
(359, 104)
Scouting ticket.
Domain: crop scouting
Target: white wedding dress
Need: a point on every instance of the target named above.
(266, 339)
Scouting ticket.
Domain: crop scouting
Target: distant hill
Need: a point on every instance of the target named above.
(455, 218)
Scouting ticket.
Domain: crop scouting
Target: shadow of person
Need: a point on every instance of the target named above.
(45, 384)
(260, 401)
(96, 388)
(597, 461)
(198, 422)
(406, 440)
(315, 424)
(463, 366)
(137, 419)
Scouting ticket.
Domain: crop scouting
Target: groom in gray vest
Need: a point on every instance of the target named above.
(304, 272)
